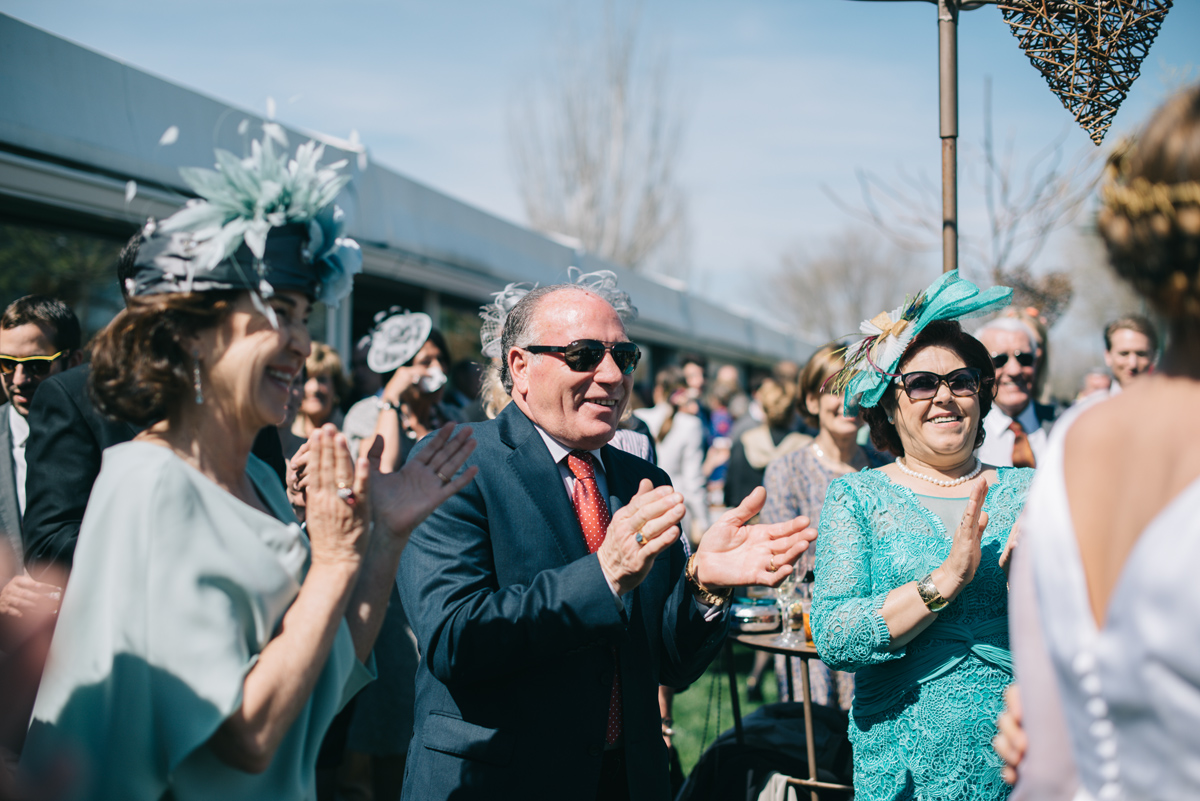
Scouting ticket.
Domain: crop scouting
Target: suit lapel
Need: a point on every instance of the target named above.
(10, 507)
(538, 475)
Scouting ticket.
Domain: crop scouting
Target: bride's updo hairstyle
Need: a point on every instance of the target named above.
(1150, 213)
(141, 367)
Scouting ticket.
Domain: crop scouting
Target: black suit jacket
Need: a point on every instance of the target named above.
(516, 626)
(67, 436)
(10, 506)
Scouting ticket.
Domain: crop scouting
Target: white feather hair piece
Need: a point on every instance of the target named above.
(602, 282)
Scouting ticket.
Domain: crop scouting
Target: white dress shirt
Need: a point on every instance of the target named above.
(998, 439)
(18, 426)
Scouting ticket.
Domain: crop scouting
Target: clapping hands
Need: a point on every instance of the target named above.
(733, 554)
(404, 499)
(399, 501)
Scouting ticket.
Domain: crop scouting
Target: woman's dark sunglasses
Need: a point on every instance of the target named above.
(924, 386)
(584, 355)
(34, 365)
(1024, 359)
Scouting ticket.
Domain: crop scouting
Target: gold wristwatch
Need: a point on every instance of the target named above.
(930, 595)
(703, 593)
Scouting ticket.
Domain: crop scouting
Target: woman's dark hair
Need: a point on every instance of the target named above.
(436, 337)
(945, 334)
(45, 311)
(141, 369)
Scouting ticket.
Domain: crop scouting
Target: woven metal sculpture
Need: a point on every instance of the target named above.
(1089, 51)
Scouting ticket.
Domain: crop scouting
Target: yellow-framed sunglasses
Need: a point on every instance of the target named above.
(35, 365)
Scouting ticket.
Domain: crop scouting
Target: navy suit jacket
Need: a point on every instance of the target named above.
(516, 625)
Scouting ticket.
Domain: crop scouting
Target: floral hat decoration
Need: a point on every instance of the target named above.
(264, 223)
(871, 362)
(397, 337)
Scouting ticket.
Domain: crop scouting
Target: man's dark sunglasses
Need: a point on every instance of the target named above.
(921, 385)
(584, 355)
(34, 365)
(1024, 359)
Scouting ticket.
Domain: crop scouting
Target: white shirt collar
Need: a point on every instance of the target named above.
(998, 421)
(19, 426)
(558, 451)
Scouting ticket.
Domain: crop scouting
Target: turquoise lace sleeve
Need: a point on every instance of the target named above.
(848, 628)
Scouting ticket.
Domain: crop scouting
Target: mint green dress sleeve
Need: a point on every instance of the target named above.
(177, 588)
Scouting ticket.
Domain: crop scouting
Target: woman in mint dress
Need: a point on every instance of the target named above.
(911, 559)
(205, 642)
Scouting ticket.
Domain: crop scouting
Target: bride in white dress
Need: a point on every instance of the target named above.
(1106, 586)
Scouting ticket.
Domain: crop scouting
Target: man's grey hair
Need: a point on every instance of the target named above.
(1010, 324)
(519, 328)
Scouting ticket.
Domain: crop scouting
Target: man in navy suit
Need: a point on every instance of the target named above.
(541, 659)
(39, 337)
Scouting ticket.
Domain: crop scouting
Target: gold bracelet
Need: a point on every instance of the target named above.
(930, 595)
(702, 592)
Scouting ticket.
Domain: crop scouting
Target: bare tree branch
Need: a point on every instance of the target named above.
(1025, 204)
(594, 146)
(850, 277)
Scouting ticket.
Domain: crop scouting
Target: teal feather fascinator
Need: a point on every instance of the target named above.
(872, 361)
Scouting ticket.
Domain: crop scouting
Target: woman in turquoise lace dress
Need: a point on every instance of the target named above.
(911, 558)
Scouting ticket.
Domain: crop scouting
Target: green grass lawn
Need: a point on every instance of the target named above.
(699, 703)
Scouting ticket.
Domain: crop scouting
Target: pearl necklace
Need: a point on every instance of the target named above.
(941, 482)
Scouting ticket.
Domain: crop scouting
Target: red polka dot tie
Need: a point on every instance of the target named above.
(593, 516)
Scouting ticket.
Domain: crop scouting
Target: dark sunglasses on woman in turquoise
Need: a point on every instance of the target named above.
(921, 385)
(584, 355)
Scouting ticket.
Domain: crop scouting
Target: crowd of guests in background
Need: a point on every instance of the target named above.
(912, 451)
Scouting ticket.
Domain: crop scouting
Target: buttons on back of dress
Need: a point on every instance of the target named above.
(1101, 729)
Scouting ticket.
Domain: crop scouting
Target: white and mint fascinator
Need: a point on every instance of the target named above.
(871, 362)
(263, 223)
(602, 282)
(397, 337)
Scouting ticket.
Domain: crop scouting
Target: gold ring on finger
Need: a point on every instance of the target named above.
(771, 567)
(342, 485)
(640, 538)
(438, 473)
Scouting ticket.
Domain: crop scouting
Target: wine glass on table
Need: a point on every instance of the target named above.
(785, 596)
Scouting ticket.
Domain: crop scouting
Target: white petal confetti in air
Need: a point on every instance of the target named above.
(275, 131)
(243, 126)
(170, 136)
(270, 108)
(130, 190)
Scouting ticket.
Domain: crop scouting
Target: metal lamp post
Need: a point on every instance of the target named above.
(948, 118)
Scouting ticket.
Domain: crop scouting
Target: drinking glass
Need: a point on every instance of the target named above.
(785, 596)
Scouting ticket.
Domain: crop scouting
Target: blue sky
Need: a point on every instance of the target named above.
(780, 98)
